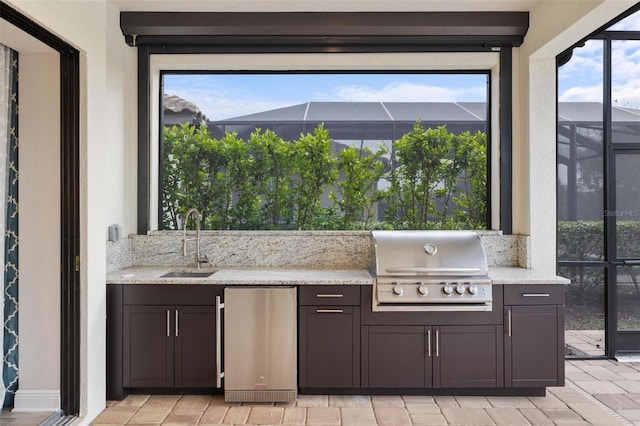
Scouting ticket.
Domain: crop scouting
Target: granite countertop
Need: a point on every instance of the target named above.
(247, 276)
(275, 276)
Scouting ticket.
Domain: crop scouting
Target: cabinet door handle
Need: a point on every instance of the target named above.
(429, 343)
(177, 321)
(329, 311)
(509, 322)
(168, 323)
(219, 372)
(437, 343)
(535, 295)
(330, 296)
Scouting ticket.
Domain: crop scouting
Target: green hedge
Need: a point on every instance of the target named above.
(436, 179)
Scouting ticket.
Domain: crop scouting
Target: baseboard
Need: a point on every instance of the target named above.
(36, 401)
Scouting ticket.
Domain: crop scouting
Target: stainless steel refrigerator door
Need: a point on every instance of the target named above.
(260, 344)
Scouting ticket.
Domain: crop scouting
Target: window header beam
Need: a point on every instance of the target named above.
(471, 29)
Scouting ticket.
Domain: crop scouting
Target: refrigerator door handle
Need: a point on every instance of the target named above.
(219, 372)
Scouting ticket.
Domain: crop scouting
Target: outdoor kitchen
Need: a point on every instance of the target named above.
(458, 305)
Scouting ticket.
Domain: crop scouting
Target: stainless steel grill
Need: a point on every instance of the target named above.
(430, 271)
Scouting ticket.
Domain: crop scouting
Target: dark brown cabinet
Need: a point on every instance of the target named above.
(329, 337)
(161, 336)
(438, 357)
(534, 336)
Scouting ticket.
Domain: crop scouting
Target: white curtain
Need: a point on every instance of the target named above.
(5, 93)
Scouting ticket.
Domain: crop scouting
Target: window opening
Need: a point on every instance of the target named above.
(332, 150)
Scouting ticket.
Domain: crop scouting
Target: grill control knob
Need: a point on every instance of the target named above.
(460, 290)
(422, 289)
(397, 290)
(447, 289)
(472, 289)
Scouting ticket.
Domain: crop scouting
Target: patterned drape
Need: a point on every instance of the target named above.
(9, 216)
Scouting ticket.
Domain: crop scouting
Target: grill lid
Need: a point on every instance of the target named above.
(416, 253)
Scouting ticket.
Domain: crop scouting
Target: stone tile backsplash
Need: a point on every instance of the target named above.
(283, 249)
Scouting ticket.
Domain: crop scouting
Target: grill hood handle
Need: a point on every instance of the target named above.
(434, 270)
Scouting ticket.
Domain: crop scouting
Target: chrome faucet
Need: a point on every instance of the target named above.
(198, 217)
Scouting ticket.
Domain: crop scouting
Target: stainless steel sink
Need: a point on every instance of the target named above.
(188, 274)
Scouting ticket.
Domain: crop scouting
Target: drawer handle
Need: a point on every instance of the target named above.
(168, 323)
(330, 296)
(329, 311)
(535, 295)
(509, 322)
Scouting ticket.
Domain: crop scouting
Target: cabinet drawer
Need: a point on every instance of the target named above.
(534, 294)
(171, 294)
(330, 295)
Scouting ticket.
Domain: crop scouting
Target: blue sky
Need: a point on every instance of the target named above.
(221, 96)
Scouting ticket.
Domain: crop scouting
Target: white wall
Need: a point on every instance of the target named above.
(106, 140)
(39, 197)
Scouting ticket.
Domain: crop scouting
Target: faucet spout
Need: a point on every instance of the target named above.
(198, 217)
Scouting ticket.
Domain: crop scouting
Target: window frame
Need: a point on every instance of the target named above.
(490, 63)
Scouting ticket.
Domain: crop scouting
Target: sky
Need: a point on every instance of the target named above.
(222, 96)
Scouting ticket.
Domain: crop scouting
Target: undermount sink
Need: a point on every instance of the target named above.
(188, 274)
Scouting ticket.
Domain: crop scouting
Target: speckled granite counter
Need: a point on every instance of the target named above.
(506, 275)
(248, 276)
(274, 276)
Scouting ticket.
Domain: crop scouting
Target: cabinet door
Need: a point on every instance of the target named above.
(148, 346)
(195, 346)
(396, 356)
(329, 347)
(534, 346)
(468, 356)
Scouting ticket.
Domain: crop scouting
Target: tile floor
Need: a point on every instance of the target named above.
(598, 392)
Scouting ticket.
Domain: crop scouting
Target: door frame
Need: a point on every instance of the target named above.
(69, 205)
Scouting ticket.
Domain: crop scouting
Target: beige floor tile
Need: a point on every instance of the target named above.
(557, 414)
(628, 385)
(116, 414)
(153, 414)
(633, 415)
(594, 414)
(418, 398)
(349, 401)
(428, 419)
(467, 416)
(323, 416)
(617, 401)
(510, 402)
(237, 415)
(536, 416)
(422, 407)
(549, 401)
(600, 372)
(265, 415)
(599, 387)
(193, 403)
(313, 401)
(294, 416)
(507, 416)
(387, 401)
(392, 416)
(446, 401)
(357, 416)
(214, 414)
(182, 418)
(132, 401)
(473, 402)
(163, 401)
